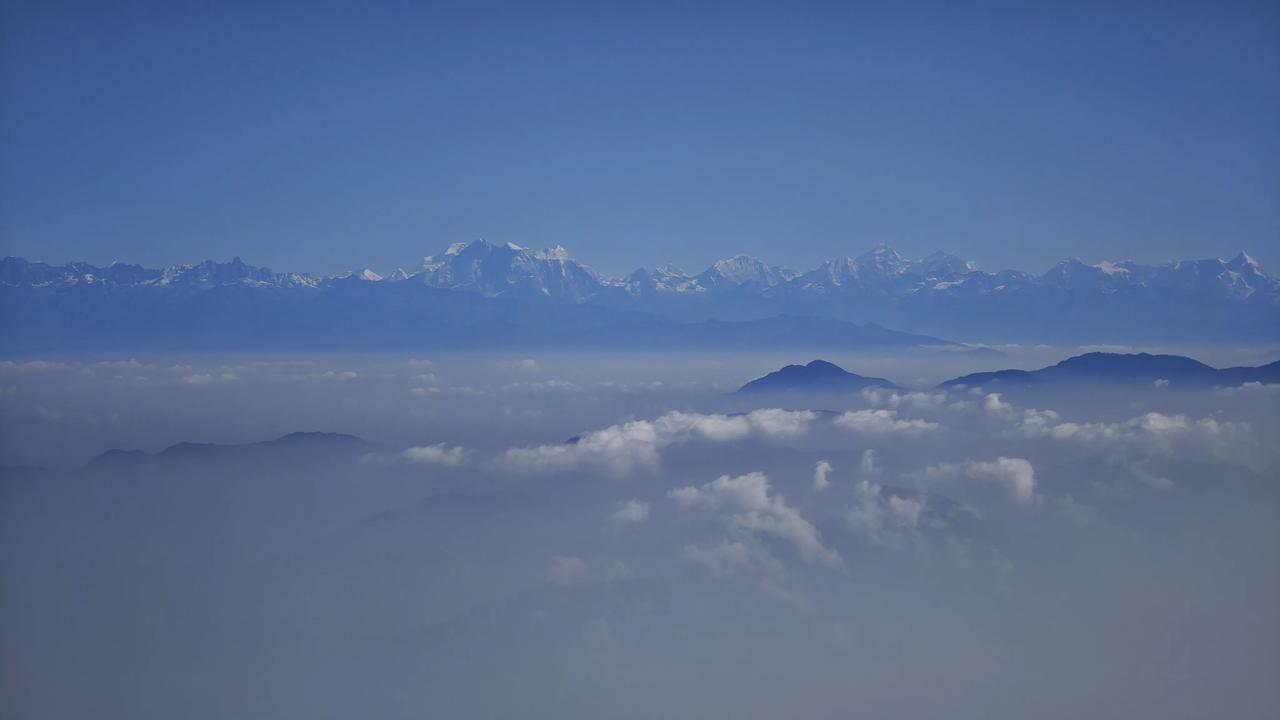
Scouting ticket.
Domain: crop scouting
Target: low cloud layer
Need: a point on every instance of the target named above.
(587, 537)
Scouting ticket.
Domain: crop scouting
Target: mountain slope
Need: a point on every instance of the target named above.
(309, 443)
(1132, 369)
(817, 376)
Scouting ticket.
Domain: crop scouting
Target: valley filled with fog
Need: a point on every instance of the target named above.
(624, 535)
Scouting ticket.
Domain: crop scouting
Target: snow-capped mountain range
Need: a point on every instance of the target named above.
(942, 294)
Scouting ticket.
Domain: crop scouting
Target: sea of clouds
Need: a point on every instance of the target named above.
(621, 536)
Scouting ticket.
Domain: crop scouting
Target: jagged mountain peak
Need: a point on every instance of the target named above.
(1244, 262)
(558, 252)
(510, 270)
(669, 270)
(740, 270)
(941, 294)
(879, 252)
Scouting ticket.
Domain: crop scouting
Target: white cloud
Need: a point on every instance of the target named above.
(618, 449)
(746, 505)
(1249, 388)
(883, 422)
(820, 472)
(869, 466)
(994, 405)
(888, 520)
(636, 445)
(1016, 474)
(895, 400)
(1153, 430)
(720, 560)
(630, 512)
(438, 454)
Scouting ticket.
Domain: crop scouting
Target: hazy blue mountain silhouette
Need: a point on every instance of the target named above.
(1139, 368)
(323, 443)
(817, 376)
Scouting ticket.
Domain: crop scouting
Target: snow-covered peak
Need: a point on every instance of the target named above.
(884, 259)
(942, 263)
(1110, 268)
(1244, 261)
(555, 253)
(738, 270)
(669, 271)
(369, 275)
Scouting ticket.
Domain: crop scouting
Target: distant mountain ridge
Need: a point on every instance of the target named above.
(185, 451)
(1138, 368)
(817, 376)
(477, 289)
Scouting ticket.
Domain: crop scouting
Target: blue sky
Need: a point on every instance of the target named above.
(336, 136)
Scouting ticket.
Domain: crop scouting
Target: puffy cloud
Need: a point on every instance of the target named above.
(720, 560)
(636, 445)
(820, 472)
(438, 454)
(1131, 442)
(883, 422)
(868, 465)
(1153, 430)
(746, 505)
(994, 405)
(1250, 388)
(630, 512)
(888, 520)
(619, 449)
(1015, 474)
(892, 399)
(775, 422)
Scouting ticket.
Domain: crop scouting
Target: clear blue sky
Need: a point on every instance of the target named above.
(323, 137)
